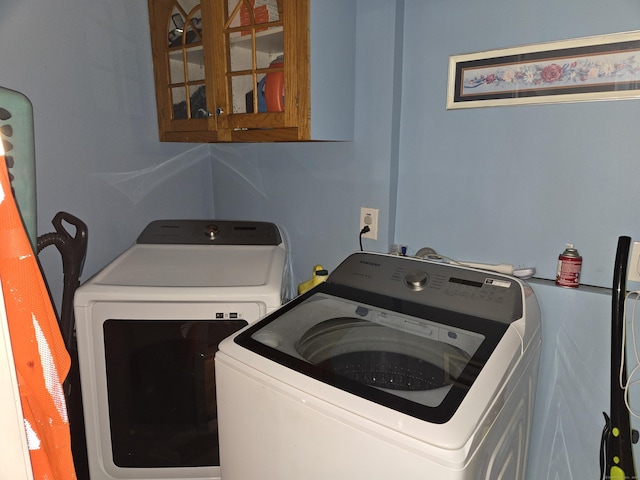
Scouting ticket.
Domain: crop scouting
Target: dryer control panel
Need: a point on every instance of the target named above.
(210, 232)
(460, 289)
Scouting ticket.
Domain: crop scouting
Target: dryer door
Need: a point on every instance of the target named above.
(413, 358)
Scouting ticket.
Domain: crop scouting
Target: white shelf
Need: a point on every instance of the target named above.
(270, 41)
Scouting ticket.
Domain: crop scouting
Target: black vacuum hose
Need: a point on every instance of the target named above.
(616, 456)
(73, 249)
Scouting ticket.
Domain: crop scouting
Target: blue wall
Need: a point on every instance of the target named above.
(513, 184)
(510, 184)
(86, 67)
(315, 191)
(502, 184)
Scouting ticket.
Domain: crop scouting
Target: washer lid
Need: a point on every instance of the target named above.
(411, 357)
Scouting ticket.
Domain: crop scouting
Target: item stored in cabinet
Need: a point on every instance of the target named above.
(274, 87)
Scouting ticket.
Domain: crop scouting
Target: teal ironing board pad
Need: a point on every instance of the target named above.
(16, 131)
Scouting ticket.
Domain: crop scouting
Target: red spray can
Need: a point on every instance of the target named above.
(569, 267)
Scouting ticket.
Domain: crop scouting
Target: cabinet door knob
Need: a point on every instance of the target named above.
(219, 111)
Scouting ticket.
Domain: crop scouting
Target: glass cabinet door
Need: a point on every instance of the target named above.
(254, 71)
(185, 57)
(231, 69)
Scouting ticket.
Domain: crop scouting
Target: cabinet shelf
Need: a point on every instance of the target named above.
(269, 41)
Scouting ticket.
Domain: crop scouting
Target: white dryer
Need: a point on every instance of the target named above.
(393, 368)
(148, 326)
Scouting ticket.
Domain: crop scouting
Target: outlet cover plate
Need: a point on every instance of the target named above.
(633, 269)
(369, 216)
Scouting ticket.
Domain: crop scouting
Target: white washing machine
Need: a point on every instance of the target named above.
(148, 326)
(394, 368)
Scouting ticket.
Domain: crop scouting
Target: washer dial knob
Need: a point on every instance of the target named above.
(416, 280)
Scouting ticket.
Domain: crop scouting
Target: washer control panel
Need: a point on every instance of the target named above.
(461, 289)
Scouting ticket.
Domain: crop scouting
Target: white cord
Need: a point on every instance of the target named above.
(636, 368)
(504, 268)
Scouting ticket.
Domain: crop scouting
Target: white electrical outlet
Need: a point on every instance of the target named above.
(633, 269)
(369, 216)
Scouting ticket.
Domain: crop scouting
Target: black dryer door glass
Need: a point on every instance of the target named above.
(161, 390)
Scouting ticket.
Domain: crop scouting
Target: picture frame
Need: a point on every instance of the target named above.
(604, 67)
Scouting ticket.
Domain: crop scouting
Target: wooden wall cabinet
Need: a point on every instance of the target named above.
(253, 70)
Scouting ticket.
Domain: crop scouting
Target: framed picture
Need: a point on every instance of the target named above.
(605, 67)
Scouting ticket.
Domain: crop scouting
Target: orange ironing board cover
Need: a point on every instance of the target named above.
(41, 359)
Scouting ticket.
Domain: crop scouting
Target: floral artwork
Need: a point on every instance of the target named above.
(578, 70)
(584, 71)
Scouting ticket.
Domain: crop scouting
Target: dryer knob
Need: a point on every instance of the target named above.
(416, 280)
(211, 231)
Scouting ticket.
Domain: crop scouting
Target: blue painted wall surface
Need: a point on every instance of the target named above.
(494, 184)
(86, 67)
(315, 191)
(513, 184)
(491, 185)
